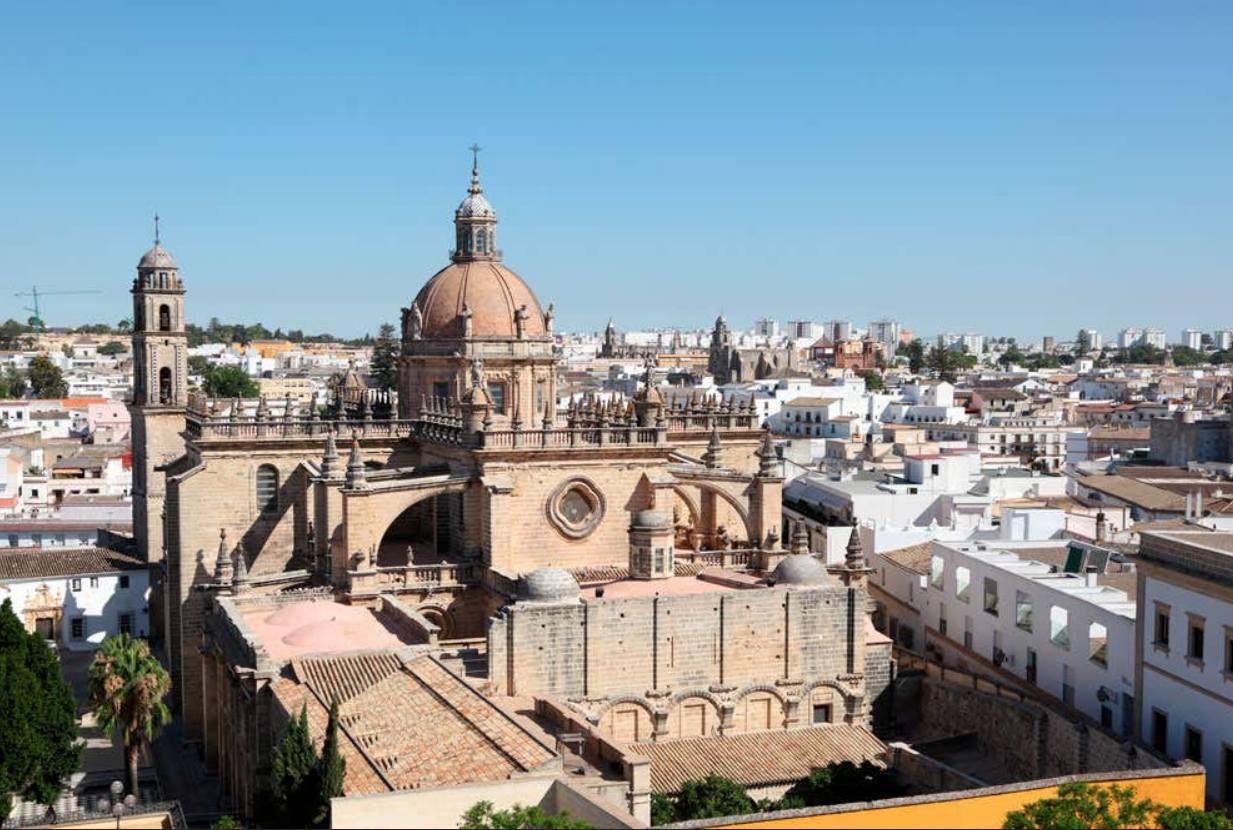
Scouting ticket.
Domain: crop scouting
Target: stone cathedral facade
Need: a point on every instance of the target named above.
(630, 560)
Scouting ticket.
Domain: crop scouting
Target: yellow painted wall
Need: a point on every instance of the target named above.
(1184, 790)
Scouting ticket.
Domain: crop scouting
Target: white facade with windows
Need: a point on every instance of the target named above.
(1185, 674)
(78, 609)
(1066, 633)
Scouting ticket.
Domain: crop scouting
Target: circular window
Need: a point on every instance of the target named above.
(576, 507)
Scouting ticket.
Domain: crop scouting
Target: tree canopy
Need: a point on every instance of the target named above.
(38, 731)
(385, 358)
(127, 686)
(1083, 805)
(228, 382)
(484, 816)
(46, 379)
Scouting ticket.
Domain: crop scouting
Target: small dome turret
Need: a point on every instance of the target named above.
(802, 570)
(548, 585)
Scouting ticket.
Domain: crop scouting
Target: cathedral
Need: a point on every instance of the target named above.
(729, 364)
(626, 566)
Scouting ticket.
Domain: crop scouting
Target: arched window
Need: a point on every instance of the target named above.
(164, 385)
(470, 242)
(164, 318)
(480, 241)
(267, 488)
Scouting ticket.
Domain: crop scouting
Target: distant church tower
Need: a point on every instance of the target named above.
(160, 389)
(720, 361)
(609, 348)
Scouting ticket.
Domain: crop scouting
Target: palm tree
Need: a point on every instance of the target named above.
(127, 687)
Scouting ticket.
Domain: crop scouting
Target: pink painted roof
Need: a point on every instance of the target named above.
(674, 586)
(319, 626)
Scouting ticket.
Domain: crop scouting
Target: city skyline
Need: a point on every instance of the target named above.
(894, 166)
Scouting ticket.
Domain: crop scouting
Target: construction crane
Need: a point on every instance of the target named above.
(33, 308)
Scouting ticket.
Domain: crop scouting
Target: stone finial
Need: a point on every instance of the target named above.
(222, 564)
(263, 408)
(329, 461)
(240, 566)
(768, 461)
(713, 457)
(466, 315)
(288, 407)
(550, 414)
(357, 476)
(855, 557)
(549, 317)
(800, 538)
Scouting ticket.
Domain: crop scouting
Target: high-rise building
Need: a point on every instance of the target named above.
(1222, 339)
(1128, 337)
(766, 327)
(1192, 339)
(1047, 344)
(885, 332)
(969, 343)
(1090, 340)
(804, 330)
(1155, 337)
(837, 330)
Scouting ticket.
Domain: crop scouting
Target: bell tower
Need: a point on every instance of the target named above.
(160, 389)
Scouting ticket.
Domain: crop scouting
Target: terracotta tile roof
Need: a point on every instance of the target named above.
(758, 759)
(342, 678)
(40, 563)
(806, 401)
(414, 725)
(1135, 492)
(914, 558)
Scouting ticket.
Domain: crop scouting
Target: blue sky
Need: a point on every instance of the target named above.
(1022, 169)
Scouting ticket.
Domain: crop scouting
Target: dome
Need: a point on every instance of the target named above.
(800, 569)
(492, 292)
(475, 205)
(548, 585)
(652, 520)
(157, 257)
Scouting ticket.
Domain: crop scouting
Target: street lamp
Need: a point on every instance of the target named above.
(118, 804)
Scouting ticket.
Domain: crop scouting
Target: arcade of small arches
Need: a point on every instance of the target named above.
(694, 713)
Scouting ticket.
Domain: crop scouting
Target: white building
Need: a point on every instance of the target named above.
(1066, 626)
(1128, 337)
(1186, 664)
(1155, 337)
(766, 327)
(1192, 339)
(837, 330)
(969, 343)
(887, 333)
(804, 330)
(1222, 339)
(77, 596)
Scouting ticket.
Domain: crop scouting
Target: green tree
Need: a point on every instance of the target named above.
(1085, 805)
(127, 686)
(46, 379)
(1011, 357)
(663, 809)
(385, 358)
(331, 770)
(1188, 818)
(712, 797)
(38, 731)
(843, 783)
(225, 823)
(483, 816)
(915, 352)
(873, 380)
(112, 348)
(125, 326)
(1186, 356)
(12, 384)
(293, 776)
(228, 382)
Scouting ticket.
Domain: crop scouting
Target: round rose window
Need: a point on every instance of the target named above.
(576, 508)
